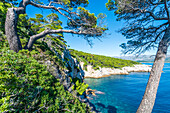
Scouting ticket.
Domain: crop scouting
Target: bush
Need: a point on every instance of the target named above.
(26, 86)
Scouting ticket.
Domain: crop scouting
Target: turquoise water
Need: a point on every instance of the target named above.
(123, 93)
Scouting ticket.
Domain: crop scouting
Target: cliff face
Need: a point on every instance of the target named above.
(70, 70)
(73, 66)
(69, 75)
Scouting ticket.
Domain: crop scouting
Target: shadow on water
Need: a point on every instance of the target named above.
(109, 108)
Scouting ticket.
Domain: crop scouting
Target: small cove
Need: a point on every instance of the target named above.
(123, 93)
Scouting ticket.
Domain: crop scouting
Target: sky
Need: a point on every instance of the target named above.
(109, 45)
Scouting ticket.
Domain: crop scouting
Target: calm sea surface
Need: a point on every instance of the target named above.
(123, 93)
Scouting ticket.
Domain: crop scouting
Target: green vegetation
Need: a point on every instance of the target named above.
(26, 86)
(3, 10)
(30, 26)
(26, 83)
(101, 61)
(79, 86)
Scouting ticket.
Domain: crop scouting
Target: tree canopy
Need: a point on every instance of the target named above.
(146, 22)
(79, 20)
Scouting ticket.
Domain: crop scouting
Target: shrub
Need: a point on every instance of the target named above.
(26, 86)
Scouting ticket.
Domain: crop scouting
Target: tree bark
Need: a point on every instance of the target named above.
(149, 97)
(11, 30)
(46, 32)
(11, 25)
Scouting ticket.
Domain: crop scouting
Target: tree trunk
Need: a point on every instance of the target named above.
(11, 30)
(149, 97)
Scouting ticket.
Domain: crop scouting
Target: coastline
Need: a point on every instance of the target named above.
(105, 72)
(152, 62)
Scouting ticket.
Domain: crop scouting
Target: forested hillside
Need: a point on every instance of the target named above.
(35, 81)
(101, 61)
(40, 79)
(27, 86)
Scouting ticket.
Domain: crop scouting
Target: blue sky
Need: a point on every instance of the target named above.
(109, 45)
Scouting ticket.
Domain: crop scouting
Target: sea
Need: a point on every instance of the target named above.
(123, 93)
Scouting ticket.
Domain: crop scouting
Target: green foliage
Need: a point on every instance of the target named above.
(27, 27)
(53, 22)
(31, 88)
(3, 41)
(31, 26)
(141, 28)
(74, 3)
(3, 10)
(79, 86)
(101, 61)
(41, 91)
(37, 23)
(89, 21)
(91, 17)
(26, 86)
(110, 5)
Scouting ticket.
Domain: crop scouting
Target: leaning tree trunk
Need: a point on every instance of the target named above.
(149, 97)
(11, 30)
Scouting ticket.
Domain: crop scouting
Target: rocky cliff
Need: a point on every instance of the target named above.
(69, 74)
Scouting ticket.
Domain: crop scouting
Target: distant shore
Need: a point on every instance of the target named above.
(151, 62)
(105, 72)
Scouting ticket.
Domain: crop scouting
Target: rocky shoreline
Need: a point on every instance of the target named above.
(105, 72)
